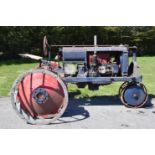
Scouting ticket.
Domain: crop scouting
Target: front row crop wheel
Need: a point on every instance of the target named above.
(134, 95)
(122, 87)
(39, 96)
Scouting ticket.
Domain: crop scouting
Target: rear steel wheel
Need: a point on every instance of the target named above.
(39, 96)
(134, 95)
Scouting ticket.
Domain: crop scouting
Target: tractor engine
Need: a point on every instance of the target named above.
(103, 64)
(84, 63)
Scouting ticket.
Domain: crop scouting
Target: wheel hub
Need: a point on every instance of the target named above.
(135, 96)
(40, 96)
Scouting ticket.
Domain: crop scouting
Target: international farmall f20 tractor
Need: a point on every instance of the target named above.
(40, 95)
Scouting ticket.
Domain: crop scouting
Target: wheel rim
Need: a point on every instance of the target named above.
(122, 87)
(39, 96)
(134, 95)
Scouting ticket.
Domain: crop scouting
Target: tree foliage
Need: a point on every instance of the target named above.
(18, 39)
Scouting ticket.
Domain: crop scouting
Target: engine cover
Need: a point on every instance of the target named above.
(77, 56)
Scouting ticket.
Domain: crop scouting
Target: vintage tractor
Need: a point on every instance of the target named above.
(40, 95)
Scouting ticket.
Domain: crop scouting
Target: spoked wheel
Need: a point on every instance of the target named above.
(134, 95)
(39, 96)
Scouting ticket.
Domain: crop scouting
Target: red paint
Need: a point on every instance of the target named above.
(47, 82)
(102, 58)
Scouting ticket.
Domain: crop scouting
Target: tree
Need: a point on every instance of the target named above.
(14, 40)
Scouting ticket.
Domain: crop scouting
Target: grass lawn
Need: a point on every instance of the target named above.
(9, 71)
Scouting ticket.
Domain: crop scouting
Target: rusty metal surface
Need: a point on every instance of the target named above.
(24, 103)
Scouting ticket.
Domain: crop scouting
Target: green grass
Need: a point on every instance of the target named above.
(10, 70)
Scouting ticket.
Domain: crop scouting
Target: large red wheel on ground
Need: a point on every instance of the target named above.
(39, 96)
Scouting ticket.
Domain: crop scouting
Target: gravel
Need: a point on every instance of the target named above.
(92, 113)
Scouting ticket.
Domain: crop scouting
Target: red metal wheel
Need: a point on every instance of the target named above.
(39, 96)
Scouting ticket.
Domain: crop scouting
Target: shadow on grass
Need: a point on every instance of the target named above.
(17, 61)
(76, 108)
